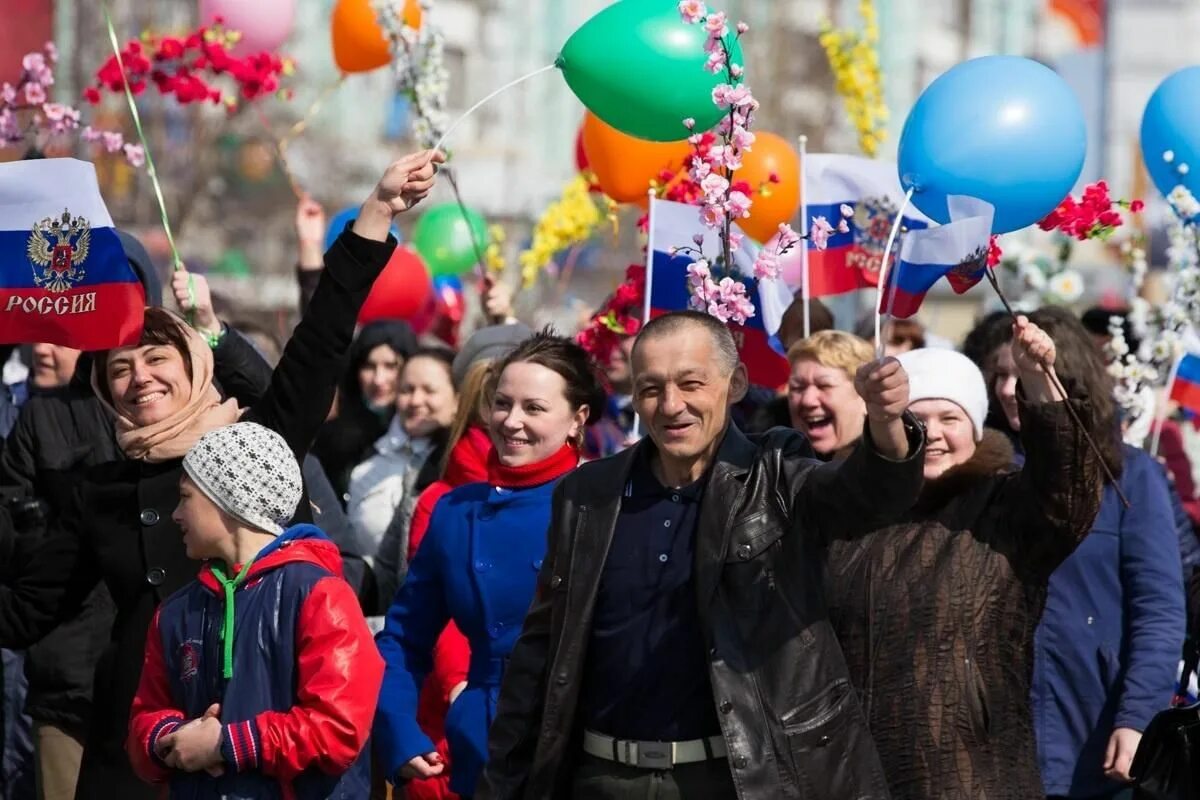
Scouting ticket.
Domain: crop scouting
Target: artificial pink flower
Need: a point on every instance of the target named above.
(692, 11)
(61, 118)
(714, 23)
(135, 154)
(698, 239)
(712, 216)
(788, 238)
(716, 61)
(90, 134)
(739, 97)
(113, 140)
(742, 28)
(846, 211)
(843, 226)
(35, 94)
(735, 241)
(714, 185)
(718, 309)
(738, 205)
(736, 71)
(700, 170)
(698, 272)
(10, 130)
(766, 265)
(689, 123)
(720, 95)
(695, 139)
(819, 232)
(743, 139)
(9, 94)
(51, 52)
(36, 69)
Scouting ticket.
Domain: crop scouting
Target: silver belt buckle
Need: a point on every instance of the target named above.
(656, 755)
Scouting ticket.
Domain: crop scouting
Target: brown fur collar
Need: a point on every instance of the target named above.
(993, 456)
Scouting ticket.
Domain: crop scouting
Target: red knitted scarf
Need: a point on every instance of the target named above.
(535, 474)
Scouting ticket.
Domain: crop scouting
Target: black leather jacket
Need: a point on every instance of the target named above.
(791, 722)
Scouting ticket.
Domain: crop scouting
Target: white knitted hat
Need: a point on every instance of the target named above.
(938, 374)
(249, 472)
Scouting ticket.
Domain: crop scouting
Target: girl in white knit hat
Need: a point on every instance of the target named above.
(260, 676)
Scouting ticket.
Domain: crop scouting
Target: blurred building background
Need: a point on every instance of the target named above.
(233, 207)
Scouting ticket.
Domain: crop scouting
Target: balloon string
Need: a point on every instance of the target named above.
(474, 108)
(481, 268)
(883, 277)
(177, 262)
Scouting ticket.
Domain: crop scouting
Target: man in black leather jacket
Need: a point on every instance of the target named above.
(678, 642)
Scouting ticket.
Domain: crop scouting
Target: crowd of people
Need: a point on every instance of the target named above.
(367, 563)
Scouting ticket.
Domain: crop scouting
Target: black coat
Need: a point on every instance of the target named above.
(791, 722)
(119, 529)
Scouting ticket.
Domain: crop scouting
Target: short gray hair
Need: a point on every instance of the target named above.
(677, 321)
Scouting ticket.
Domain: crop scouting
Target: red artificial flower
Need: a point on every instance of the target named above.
(92, 95)
(1137, 206)
(169, 48)
(994, 252)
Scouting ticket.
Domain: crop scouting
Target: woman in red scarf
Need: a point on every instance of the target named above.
(479, 559)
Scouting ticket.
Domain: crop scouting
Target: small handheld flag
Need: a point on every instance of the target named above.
(64, 277)
(956, 251)
(1186, 389)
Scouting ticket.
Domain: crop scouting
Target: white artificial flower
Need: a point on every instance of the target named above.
(1066, 285)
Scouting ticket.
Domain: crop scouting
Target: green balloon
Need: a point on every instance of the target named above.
(639, 67)
(443, 237)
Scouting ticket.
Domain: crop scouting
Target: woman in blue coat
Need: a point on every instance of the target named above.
(1108, 647)
(478, 562)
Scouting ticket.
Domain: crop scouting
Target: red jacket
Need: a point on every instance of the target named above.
(452, 654)
(1172, 450)
(305, 677)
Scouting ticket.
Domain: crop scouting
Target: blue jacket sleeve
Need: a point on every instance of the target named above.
(414, 622)
(1152, 580)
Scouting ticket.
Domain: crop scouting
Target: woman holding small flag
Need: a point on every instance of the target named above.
(936, 614)
(161, 395)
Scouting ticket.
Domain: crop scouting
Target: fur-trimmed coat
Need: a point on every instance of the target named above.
(936, 614)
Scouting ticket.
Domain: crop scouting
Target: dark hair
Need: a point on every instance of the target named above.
(396, 334)
(989, 333)
(1080, 362)
(791, 325)
(562, 355)
(442, 355)
(907, 330)
(677, 321)
(159, 327)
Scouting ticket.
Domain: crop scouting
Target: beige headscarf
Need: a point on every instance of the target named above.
(174, 436)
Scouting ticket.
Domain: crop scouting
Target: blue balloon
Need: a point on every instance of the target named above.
(447, 282)
(1004, 129)
(1171, 132)
(341, 220)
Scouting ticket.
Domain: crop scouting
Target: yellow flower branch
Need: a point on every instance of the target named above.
(854, 58)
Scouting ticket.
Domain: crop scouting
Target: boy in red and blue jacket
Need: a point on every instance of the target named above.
(261, 677)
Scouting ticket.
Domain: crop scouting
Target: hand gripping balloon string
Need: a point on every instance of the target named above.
(1054, 379)
(177, 262)
(883, 276)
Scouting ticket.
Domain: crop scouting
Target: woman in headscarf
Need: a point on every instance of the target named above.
(160, 392)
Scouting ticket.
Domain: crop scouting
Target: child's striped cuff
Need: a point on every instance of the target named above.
(240, 745)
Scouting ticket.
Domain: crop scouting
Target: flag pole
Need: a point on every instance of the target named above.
(652, 197)
(802, 141)
(883, 276)
(1161, 404)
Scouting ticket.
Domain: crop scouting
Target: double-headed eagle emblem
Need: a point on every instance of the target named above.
(59, 246)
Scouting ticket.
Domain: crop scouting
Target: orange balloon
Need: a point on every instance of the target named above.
(624, 166)
(770, 155)
(359, 43)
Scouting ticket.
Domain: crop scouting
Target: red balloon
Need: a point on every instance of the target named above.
(581, 161)
(400, 291)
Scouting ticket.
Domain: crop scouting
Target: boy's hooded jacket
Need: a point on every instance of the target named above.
(297, 711)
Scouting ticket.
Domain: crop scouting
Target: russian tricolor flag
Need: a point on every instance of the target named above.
(673, 225)
(872, 188)
(957, 251)
(64, 277)
(1186, 388)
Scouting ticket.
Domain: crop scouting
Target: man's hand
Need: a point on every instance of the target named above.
(404, 184)
(496, 297)
(1034, 354)
(883, 386)
(311, 225)
(426, 766)
(1122, 746)
(193, 296)
(195, 746)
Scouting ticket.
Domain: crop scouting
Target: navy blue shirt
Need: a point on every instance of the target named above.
(646, 674)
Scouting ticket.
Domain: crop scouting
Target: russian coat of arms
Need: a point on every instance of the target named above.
(59, 247)
(873, 217)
